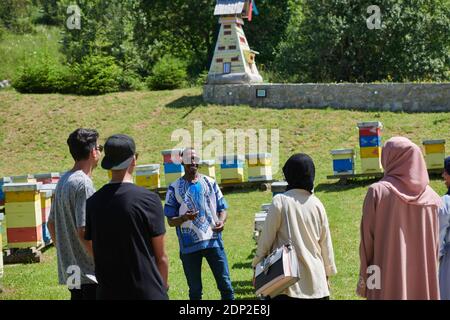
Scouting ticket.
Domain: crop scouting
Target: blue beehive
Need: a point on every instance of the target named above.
(343, 161)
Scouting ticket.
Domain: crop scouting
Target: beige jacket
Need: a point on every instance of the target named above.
(310, 236)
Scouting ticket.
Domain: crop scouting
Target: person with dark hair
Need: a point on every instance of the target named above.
(444, 227)
(309, 229)
(126, 225)
(67, 218)
(196, 207)
(399, 229)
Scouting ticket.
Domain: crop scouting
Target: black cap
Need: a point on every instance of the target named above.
(119, 152)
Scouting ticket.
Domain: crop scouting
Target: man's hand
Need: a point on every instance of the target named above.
(219, 226)
(191, 215)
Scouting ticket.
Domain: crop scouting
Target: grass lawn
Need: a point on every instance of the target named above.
(34, 129)
(15, 49)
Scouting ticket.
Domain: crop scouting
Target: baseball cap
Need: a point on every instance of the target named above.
(119, 152)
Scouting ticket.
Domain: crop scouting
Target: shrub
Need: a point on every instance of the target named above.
(167, 74)
(97, 75)
(37, 75)
(2, 32)
(130, 80)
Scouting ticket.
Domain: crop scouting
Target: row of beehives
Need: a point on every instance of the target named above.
(370, 152)
(231, 169)
(260, 217)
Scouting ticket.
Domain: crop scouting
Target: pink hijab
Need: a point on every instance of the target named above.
(405, 172)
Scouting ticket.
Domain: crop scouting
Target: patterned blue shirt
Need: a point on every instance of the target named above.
(203, 196)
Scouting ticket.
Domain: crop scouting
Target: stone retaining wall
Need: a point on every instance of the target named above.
(410, 97)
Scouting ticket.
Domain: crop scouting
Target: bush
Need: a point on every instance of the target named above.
(167, 74)
(37, 75)
(130, 80)
(97, 75)
(2, 32)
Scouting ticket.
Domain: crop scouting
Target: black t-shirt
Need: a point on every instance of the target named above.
(121, 220)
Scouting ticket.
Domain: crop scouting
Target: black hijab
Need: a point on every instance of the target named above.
(299, 172)
(447, 169)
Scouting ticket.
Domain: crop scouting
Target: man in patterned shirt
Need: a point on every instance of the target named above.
(196, 207)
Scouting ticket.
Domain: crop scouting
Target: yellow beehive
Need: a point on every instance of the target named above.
(371, 165)
(232, 169)
(434, 153)
(371, 159)
(207, 168)
(259, 166)
(370, 152)
(148, 176)
(23, 209)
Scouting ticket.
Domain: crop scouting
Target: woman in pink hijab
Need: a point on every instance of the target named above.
(399, 229)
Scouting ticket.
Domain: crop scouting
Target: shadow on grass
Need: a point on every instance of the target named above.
(361, 182)
(244, 288)
(252, 254)
(191, 102)
(242, 265)
(338, 186)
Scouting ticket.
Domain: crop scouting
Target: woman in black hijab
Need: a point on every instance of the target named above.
(300, 172)
(308, 231)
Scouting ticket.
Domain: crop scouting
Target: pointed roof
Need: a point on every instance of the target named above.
(225, 7)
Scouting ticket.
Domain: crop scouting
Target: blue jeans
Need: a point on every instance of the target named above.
(217, 260)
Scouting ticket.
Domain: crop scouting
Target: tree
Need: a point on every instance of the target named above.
(331, 42)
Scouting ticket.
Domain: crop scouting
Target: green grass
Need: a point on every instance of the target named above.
(34, 129)
(14, 49)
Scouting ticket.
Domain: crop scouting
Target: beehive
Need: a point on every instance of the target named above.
(434, 153)
(207, 167)
(260, 218)
(232, 169)
(370, 146)
(173, 169)
(46, 203)
(278, 187)
(172, 172)
(24, 215)
(343, 161)
(148, 176)
(259, 166)
(172, 156)
(47, 178)
(3, 231)
(265, 207)
(3, 181)
(29, 178)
